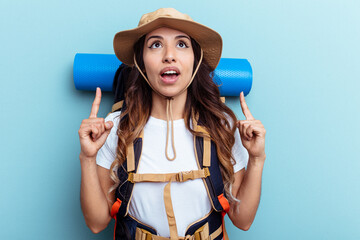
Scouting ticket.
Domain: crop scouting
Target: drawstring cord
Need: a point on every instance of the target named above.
(169, 115)
(169, 107)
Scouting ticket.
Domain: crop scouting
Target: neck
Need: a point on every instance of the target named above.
(158, 109)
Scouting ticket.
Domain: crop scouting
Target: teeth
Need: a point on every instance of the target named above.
(170, 72)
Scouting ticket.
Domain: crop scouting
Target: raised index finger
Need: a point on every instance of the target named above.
(245, 108)
(96, 104)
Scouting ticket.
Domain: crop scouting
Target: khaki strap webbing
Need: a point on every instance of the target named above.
(170, 212)
(201, 129)
(167, 177)
(142, 234)
(207, 152)
(217, 233)
(130, 155)
(200, 234)
(207, 145)
(117, 105)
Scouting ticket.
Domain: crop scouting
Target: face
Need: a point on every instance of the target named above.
(168, 59)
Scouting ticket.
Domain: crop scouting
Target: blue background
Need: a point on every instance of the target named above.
(305, 58)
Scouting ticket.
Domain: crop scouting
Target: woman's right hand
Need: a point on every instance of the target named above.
(93, 131)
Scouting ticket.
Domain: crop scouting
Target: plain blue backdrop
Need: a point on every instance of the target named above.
(305, 59)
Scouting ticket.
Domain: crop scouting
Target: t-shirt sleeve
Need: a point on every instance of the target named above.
(239, 152)
(107, 153)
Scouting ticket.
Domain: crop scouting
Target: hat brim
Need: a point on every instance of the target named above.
(209, 40)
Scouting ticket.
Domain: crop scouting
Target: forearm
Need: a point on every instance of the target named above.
(93, 200)
(249, 194)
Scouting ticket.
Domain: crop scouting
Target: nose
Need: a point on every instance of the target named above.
(169, 55)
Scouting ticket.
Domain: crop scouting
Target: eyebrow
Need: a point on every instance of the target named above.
(182, 36)
(155, 36)
(160, 37)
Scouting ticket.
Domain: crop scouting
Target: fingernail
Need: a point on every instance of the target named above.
(108, 124)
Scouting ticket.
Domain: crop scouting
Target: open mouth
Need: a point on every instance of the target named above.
(170, 75)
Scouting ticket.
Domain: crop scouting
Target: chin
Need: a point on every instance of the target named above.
(171, 92)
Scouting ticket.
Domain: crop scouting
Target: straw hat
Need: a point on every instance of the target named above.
(209, 40)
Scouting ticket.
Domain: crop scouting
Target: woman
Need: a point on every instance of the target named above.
(192, 160)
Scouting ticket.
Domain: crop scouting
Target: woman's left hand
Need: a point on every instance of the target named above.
(252, 132)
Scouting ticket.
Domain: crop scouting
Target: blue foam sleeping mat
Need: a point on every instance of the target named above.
(232, 75)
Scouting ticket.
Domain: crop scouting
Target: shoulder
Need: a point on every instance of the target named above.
(115, 118)
(107, 153)
(240, 155)
(230, 119)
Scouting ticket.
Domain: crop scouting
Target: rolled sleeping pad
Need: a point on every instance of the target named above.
(232, 75)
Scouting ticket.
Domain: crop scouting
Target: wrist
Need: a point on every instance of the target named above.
(86, 159)
(257, 160)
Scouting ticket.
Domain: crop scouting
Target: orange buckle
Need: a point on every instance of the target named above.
(115, 208)
(224, 203)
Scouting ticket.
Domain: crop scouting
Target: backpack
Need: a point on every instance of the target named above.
(126, 227)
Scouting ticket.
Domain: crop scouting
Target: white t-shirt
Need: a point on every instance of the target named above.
(189, 199)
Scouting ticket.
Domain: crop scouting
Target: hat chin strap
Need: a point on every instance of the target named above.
(169, 115)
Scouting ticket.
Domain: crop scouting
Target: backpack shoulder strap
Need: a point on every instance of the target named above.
(207, 157)
(124, 191)
(214, 182)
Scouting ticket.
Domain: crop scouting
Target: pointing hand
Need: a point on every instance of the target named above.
(94, 131)
(252, 132)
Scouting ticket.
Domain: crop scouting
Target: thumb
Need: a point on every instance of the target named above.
(109, 125)
(102, 139)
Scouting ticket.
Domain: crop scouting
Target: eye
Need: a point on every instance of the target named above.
(155, 45)
(182, 44)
